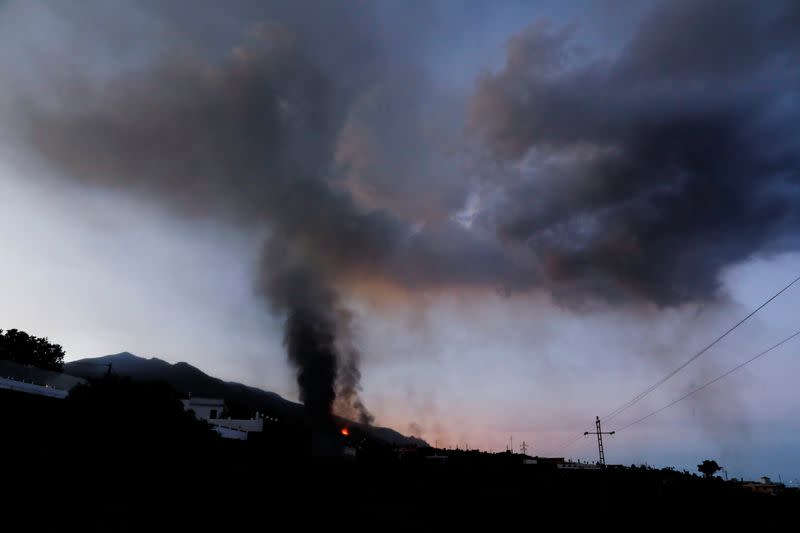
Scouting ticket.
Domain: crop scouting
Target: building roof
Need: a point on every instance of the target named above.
(38, 376)
(211, 402)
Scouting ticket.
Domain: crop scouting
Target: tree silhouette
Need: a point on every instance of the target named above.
(708, 468)
(26, 349)
(119, 411)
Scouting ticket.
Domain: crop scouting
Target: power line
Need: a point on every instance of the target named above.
(704, 385)
(599, 432)
(568, 443)
(663, 380)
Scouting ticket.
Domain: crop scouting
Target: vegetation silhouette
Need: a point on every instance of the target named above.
(708, 468)
(123, 413)
(118, 451)
(20, 347)
(121, 452)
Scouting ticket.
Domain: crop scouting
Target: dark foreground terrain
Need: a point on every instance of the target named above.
(99, 463)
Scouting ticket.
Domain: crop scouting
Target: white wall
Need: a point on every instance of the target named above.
(11, 384)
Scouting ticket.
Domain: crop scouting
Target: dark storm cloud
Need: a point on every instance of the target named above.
(258, 136)
(637, 176)
(645, 174)
(261, 135)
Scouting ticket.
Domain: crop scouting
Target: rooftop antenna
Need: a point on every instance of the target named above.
(599, 434)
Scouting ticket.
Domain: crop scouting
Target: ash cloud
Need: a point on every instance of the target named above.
(635, 177)
(252, 136)
(643, 175)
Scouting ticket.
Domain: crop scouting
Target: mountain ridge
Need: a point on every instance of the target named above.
(242, 400)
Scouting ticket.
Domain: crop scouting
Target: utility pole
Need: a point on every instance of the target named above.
(523, 448)
(599, 434)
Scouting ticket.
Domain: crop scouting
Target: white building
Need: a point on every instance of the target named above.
(205, 408)
(572, 465)
(211, 410)
(33, 380)
(765, 486)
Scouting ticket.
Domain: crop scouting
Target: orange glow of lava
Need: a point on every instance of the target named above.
(345, 432)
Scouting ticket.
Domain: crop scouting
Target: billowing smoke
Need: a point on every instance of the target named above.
(251, 139)
(634, 176)
(263, 138)
(318, 341)
(643, 174)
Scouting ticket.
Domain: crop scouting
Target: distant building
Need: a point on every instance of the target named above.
(231, 428)
(572, 465)
(349, 451)
(205, 408)
(211, 410)
(765, 486)
(33, 380)
(559, 463)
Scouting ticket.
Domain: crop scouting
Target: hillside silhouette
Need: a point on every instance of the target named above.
(242, 400)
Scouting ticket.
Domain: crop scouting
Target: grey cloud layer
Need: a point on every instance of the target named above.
(265, 135)
(646, 174)
(638, 176)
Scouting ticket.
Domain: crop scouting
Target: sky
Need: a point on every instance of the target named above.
(471, 223)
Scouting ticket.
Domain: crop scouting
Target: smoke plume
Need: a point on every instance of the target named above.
(644, 174)
(633, 176)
